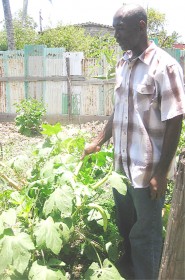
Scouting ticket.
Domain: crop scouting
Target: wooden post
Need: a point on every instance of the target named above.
(173, 258)
(69, 94)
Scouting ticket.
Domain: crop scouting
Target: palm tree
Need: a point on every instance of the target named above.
(9, 24)
(25, 10)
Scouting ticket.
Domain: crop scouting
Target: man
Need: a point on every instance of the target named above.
(145, 125)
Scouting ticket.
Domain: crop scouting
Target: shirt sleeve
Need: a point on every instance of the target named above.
(172, 92)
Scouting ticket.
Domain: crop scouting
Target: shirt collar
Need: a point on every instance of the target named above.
(145, 57)
(148, 54)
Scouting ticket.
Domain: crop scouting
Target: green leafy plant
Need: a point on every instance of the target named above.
(64, 215)
(29, 119)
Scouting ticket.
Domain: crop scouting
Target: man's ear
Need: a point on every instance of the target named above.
(142, 25)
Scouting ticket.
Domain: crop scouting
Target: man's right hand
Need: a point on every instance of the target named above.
(90, 149)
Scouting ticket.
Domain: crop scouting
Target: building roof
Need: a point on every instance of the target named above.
(89, 23)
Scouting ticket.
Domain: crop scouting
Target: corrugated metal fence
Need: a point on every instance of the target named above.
(61, 79)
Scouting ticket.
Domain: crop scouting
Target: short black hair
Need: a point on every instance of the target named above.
(133, 11)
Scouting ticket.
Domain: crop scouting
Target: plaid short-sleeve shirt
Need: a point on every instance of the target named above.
(149, 90)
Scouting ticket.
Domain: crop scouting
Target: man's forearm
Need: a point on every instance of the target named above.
(171, 139)
(106, 134)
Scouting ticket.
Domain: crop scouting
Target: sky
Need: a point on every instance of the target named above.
(98, 11)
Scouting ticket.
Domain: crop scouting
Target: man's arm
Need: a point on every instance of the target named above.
(158, 183)
(103, 136)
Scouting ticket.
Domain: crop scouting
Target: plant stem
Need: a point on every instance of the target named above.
(78, 168)
(101, 182)
(10, 182)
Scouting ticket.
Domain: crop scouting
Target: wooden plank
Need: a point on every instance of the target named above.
(173, 258)
(2, 88)
(16, 93)
(90, 100)
(40, 78)
(53, 97)
(2, 97)
(69, 94)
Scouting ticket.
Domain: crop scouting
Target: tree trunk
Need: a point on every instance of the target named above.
(24, 11)
(9, 24)
(173, 258)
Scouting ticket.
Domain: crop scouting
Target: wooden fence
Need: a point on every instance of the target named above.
(63, 80)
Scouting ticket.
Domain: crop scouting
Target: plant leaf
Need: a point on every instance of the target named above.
(47, 234)
(112, 251)
(14, 250)
(53, 262)
(108, 271)
(1, 226)
(61, 199)
(9, 217)
(51, 129)
(42, 272)
(118, 182)
(102, 212)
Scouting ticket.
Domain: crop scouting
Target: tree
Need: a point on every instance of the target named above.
(72, 38)
(9, 24)
(26, 35)
(25, 10)
(156, 28)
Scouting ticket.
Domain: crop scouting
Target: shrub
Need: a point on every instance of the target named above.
(29, 119)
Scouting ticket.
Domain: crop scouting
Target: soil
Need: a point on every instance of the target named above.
(12, 143)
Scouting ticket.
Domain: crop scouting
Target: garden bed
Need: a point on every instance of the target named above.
(60, 208)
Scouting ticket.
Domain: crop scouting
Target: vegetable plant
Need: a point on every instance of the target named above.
(29, 116)
(61, 224)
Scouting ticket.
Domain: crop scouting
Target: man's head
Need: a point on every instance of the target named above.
(130, 24)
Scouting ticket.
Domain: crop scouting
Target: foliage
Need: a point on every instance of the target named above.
(156, 29)
(29, 119)
(101, 45)
(181, 145)
(23, 35)
(3, 41)
(64, 214)
(72, 38)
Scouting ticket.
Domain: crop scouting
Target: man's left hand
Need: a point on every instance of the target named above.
(158, 186)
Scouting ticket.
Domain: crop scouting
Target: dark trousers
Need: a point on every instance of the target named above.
(139, 220)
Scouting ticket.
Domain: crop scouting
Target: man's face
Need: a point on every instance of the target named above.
(127, 33)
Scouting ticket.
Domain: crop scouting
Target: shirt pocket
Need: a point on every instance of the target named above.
(144, 96)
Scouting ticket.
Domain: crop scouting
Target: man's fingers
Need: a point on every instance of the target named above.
(156, 193)
(153, 195)
(90, 150)
(98, 148)
(153, 192)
